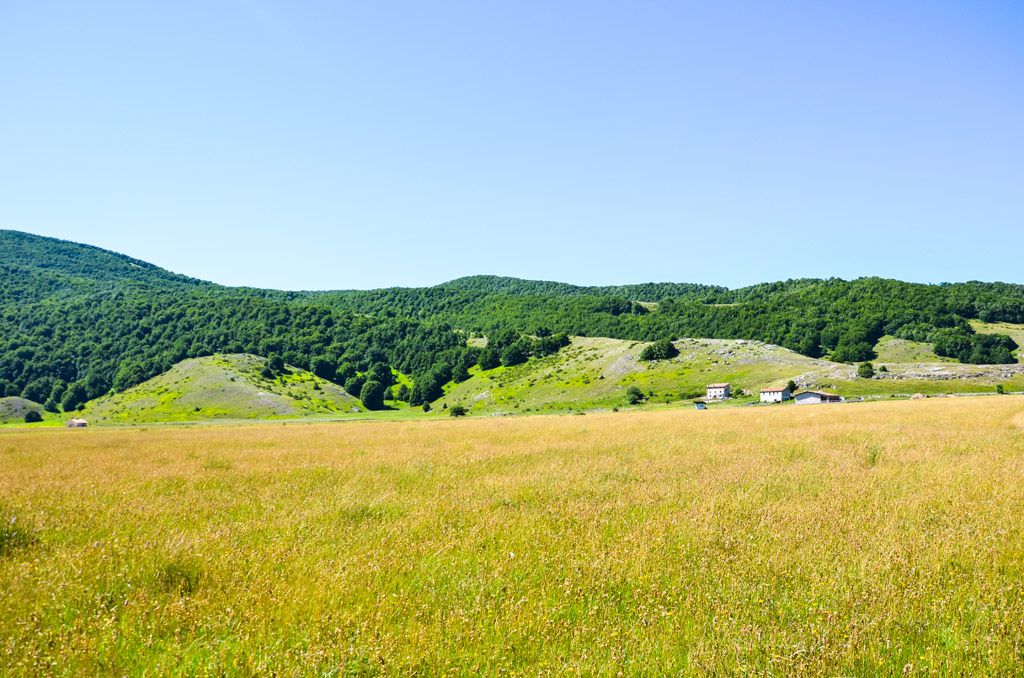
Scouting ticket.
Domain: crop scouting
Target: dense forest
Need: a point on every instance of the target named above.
(78, 321)
(843, 319)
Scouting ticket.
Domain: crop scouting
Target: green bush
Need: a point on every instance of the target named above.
(354, 385)
(663, 349)
(372, 395)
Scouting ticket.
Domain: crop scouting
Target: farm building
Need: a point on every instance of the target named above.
(77, 423)
(718, 391)
(816, 398)
(774, 395)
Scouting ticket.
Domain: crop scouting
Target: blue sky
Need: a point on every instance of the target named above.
(308, 145)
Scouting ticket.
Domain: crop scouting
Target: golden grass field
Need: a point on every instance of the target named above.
(852, 540)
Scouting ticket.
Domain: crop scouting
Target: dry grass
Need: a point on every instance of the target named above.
(871, 539)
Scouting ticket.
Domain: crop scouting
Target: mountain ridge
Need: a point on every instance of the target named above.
(77, 321)
(17, 247)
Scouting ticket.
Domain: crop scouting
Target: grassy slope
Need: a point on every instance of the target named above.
(591, 374)
(13, 410)
(1016, 333)
(595, 373)
(893, 350)
(222, 387)
(876, 539)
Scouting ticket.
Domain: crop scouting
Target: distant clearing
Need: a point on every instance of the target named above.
(858, 540)
(893, 350)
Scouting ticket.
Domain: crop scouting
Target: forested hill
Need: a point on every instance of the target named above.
(838, 318)
(72, 264)
(77, 321)
(643, 292)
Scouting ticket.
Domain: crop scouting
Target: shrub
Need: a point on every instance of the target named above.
(662, 349)
(854, 352)
(866, 370)
(512, 355)
(355, 384)
(381, 372)
(344, 372)
(372, 395)
(457, 410)
(74, 397)
(634, 395)
(425, 388)
(276, 363)
(32, 417)
(489, 359)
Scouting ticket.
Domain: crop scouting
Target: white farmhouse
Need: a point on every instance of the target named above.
(774, 395)
(816, 398)
(718, 392)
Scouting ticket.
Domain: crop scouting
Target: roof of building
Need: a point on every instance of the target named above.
(821, 393)
(773, 390)
(718, 385)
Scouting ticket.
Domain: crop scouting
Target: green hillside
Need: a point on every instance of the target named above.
(13, 410)
(889, 349)
(78, 323)
(1012, 330)
(222, 387)
(589, 374)
(58, 264)
(594, 373)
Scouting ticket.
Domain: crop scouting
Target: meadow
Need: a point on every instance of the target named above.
(849, 540)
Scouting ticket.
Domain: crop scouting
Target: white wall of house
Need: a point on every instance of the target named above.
(775, 396)
(717, 392)
(810, 398)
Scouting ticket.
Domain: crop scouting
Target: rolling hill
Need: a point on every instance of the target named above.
(594, 373)
(13, 410)
(222, 387)
(79, 324)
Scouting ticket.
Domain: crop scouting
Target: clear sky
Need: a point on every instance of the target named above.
(306, 145)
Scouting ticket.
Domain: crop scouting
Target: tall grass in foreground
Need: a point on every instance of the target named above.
(874, 539)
